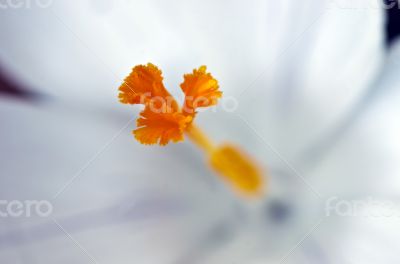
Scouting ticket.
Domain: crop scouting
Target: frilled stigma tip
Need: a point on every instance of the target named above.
(162, 120)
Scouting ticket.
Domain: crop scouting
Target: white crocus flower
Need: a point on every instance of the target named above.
(317, 106)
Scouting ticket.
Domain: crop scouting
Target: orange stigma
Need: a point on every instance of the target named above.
(162, 121)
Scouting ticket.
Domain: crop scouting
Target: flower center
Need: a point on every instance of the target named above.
(162, 121)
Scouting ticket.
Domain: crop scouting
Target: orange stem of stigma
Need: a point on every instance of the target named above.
(200, 139)
(231, 163)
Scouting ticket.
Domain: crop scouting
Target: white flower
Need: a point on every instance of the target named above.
(318, 106)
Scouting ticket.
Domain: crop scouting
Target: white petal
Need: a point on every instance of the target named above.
(364, 166)
(323, 69)
(97, 177)
(368, 152)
